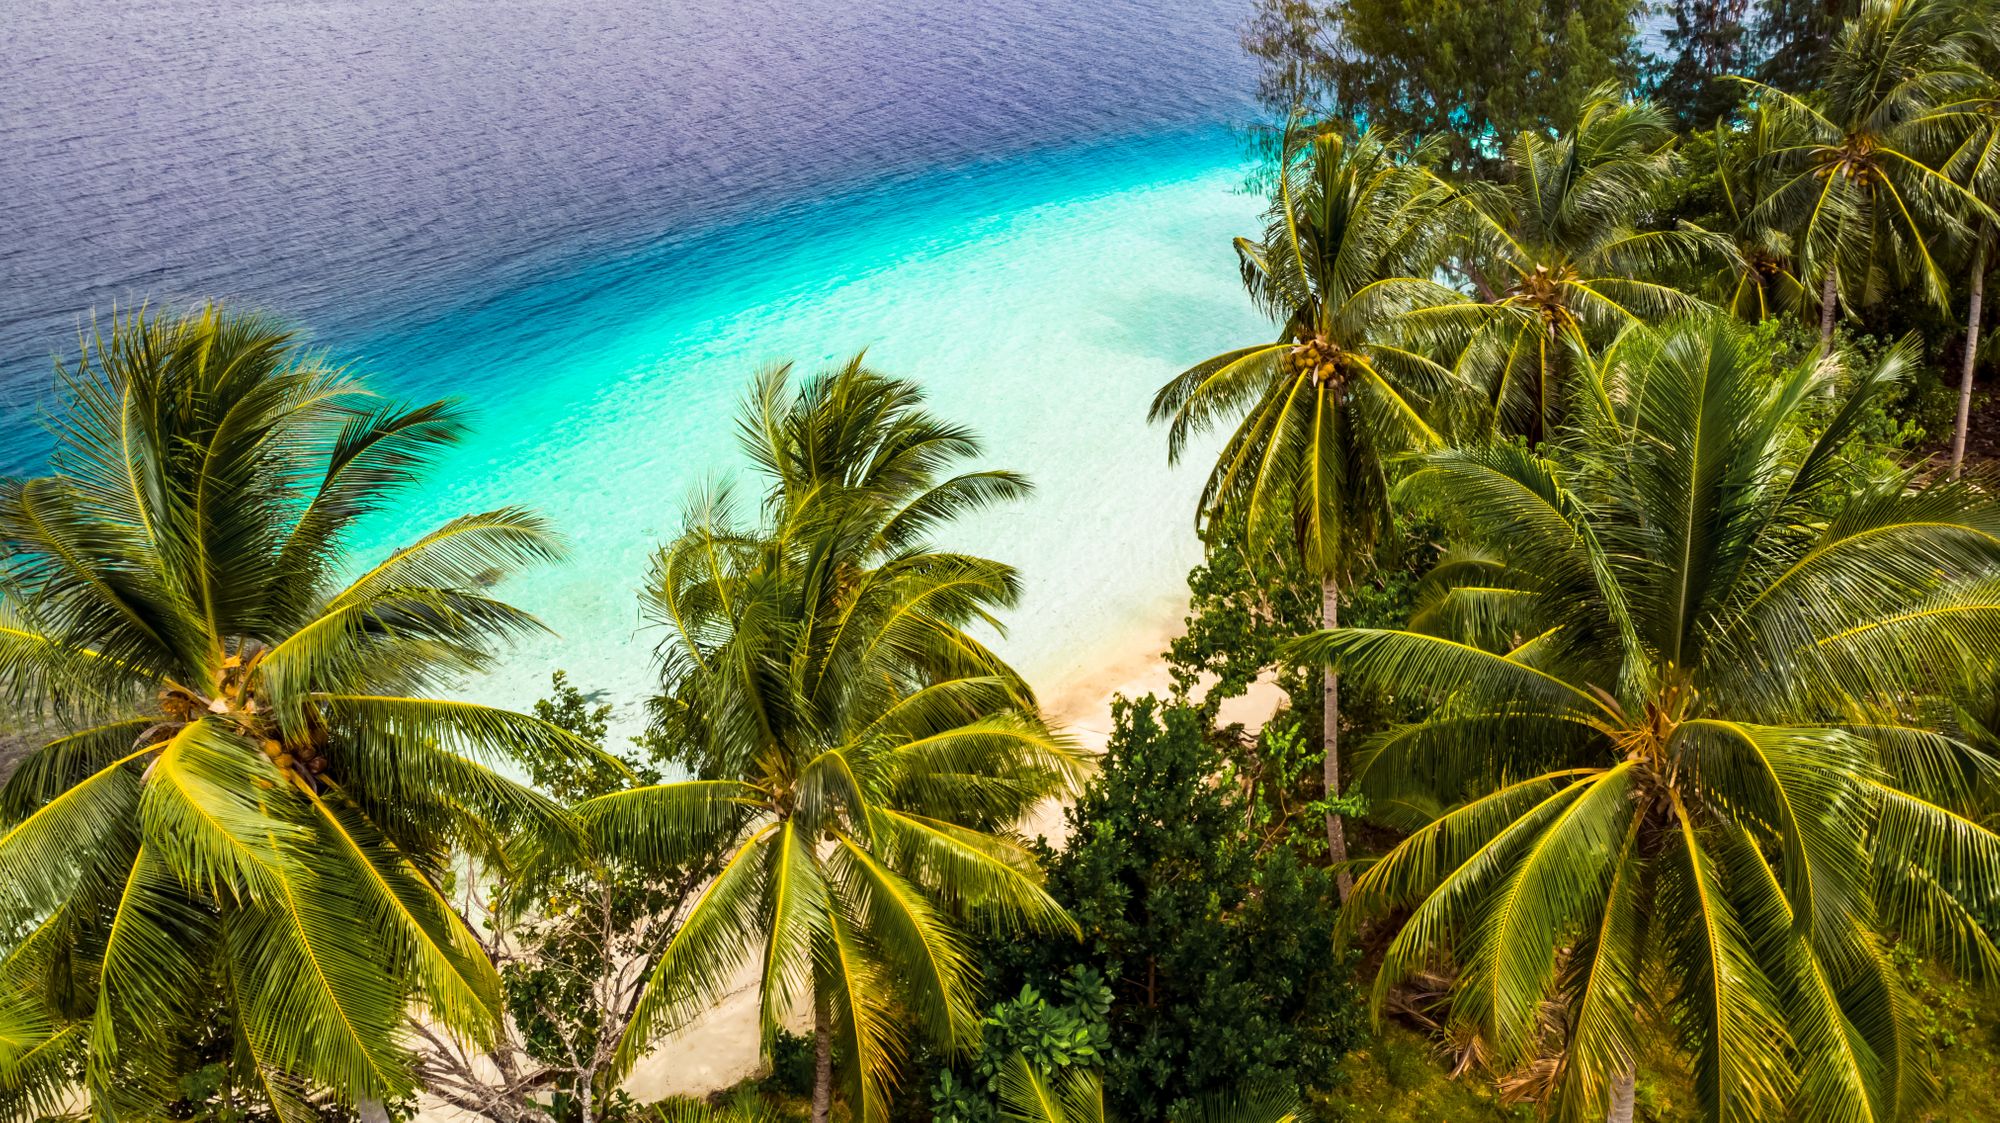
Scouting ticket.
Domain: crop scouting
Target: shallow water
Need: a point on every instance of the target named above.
(597, 225)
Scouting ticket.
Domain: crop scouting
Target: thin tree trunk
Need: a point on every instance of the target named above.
(822, 1104)
(1971, 353)
(1624, 1089)
(1336, 831)
(371, 1111)
(1829, 302)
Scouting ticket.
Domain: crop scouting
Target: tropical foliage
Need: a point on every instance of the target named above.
(1356, 227)
(1032, 1095)
(1973, 114)
(1217, 951)
(1560, 262)
(574, 946)
(1707, 41)
(1760, 280)
(1029, 1038)
(248, 797)
(1668, 649)
(858, 755)
(1676, 734)
(1852, 165)
(1472, 72)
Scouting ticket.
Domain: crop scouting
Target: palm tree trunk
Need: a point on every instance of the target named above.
(822, 1103)
(371, 1111)
(1624, 1089)
(1971, 353)
(1336, 831)
(1829, 302)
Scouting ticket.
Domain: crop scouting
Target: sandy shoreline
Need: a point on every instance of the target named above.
(1135, 668)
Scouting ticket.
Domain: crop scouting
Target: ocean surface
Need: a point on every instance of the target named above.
(597, 220)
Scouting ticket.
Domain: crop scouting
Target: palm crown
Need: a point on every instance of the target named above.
(1760, 280)
(1560, 262)
(859, 754)
(1852, 172)
(1356, 226)
(1676, 744)
(249, 804)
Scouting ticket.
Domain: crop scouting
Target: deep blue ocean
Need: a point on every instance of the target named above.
(596, 219)
(374, 167)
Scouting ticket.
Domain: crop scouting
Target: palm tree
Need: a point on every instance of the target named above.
(1559, 261)
(1848, 174)
(250, 798)
(1027, 1093)
(858, 754)
(1975, 164)
(1683, 757)
(1355, 228)
(1760, 279)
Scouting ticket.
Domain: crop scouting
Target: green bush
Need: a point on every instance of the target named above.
(1051, 1036)
(791, 1065)
(1217, 953)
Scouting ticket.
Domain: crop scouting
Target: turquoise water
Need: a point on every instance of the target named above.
(596, 222)
(372, 166)
(1042, 299)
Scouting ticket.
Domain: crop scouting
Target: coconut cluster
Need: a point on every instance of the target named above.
(1315, 357)
(301, 759)
(236, 701)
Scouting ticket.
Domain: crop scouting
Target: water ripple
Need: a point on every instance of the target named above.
(367, 165)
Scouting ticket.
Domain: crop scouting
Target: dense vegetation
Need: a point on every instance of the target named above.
(1606, 502)
(1213, 950)
(250, 804)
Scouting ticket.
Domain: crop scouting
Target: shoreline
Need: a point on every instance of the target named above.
(1133, 665)
(1084, 706)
